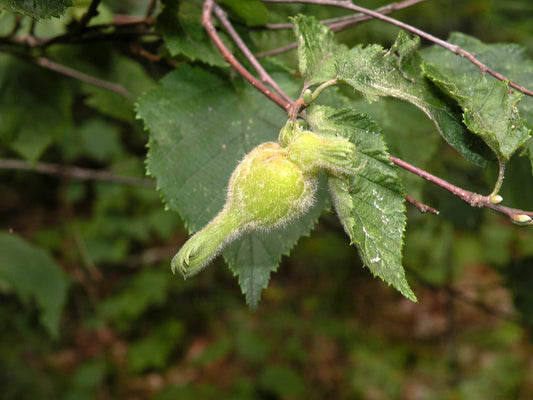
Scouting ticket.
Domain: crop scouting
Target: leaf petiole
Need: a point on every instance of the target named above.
(314, 95)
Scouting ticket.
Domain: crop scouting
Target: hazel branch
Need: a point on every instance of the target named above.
(265, 77)
(343, 22)
(517, 216)
(84, 174)
(91, 12)
(451, 47)
(67, 71)
(230, 58)
(423, 208)
(337, 24)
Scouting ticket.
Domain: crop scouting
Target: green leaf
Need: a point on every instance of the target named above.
(101, 61)
(510, 60)
(402, 125)
(282, 381)
(94, 137)
(265, 250)
(489, 108)
(123, 71)
(200, 127)
(253, 12)
(34, 107)
(181, 26)
(397, 73)
(148, 288)
(370, 204)
(37, 9)
(153, 351)
(376, 72)
(33, 275)
(316, 45)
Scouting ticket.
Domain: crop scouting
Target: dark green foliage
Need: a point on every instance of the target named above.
(34, 277)
(26, 88)
(89, 308)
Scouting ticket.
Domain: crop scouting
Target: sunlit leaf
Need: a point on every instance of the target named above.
(397, 73)
(316, 45)
(376, 72)
(370, 204)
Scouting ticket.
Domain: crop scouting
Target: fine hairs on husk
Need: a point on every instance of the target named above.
(271, 187)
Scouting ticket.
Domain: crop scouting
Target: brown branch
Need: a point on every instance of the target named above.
(293, 108)
(339, 23)
(451, 47)
(78, 173)
(46, 63)
(279, 50)
(91, 12)
(150, 9)
(230, 58)
(423, 208)
(471, 198)
(265, 77)
(336, 24)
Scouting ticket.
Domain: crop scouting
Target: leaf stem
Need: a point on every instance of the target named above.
(150, 9)
(321, 88)
(499, 181)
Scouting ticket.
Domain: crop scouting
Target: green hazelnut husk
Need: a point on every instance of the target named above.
(272, 186)
(265, 191)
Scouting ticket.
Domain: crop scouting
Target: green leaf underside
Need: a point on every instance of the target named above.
(511, 61)
(200, 128)
(376, 72)
(181, 27)
(37, 9)
(397, 72)
(33, 275)
(24, 89)
(316, 45)
(489, 109)
(370, 204)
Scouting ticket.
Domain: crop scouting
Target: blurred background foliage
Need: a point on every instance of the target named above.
(96, 314)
